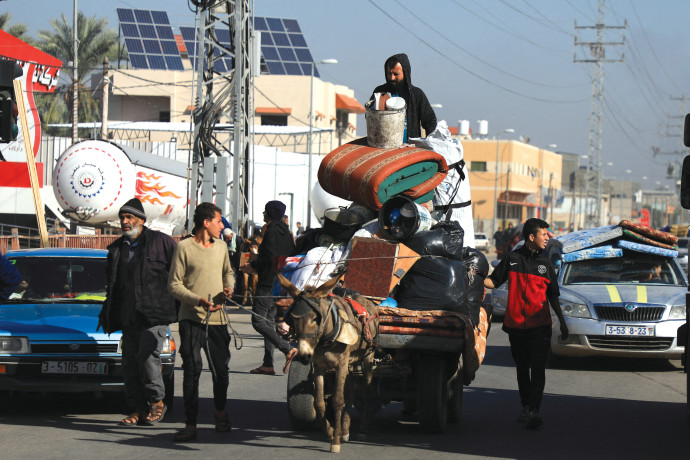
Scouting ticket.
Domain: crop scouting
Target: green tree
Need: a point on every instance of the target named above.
(18, 30)
(94, 43)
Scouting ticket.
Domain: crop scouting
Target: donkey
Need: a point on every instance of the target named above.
(249, 281)
(333, 335)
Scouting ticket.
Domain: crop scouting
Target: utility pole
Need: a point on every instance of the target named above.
(597, 50)
(75, 75)
(222, 97)
(104, 100)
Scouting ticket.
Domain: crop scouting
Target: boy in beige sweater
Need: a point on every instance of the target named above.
(200, 278)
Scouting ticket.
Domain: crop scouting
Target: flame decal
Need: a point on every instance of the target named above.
(148, 189)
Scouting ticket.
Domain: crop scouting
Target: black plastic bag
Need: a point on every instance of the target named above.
(445, 239)
(434, 283)
(477, 270)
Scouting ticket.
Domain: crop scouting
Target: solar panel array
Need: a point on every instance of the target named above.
(223, 64)
(151, 44)
(283, 47)
(149, 39)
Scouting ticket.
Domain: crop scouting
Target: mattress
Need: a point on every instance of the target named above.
(650, 233)
(582, 239)
(601, 252)
(371, 176)
(647, 249)
(636, 237)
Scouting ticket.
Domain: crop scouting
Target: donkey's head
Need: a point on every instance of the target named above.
(310, 315)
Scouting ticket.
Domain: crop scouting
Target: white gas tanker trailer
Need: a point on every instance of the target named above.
(93, 178)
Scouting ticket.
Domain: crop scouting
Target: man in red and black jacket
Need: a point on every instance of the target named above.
(527, 321)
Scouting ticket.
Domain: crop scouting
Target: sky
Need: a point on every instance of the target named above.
(510, 62)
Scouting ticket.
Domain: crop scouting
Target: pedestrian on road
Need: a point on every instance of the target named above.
(201, 278)
(527, 321)
(138, 302)
(277, 241)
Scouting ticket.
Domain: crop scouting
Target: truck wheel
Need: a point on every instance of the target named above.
(169, 383)
(432, 394)
(300, 397)
(455, 391)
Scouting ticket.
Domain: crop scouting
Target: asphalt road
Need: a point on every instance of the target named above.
(592, 409)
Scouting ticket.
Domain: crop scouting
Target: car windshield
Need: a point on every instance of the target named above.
(629, 269)
(59, 279)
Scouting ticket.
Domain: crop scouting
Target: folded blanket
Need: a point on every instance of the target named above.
(371, 176)
(647, 249)
(634, 236)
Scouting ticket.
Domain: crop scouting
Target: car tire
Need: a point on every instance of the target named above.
(432, 394)
(300, 397)
(455, 392)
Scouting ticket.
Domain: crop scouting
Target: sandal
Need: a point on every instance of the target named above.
(185, 435)
(131, 420)
(288, 360)
(223, 424)
(156, 412)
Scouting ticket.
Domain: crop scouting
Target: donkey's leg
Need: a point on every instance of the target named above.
(368, 371)
(349, 395)
(339, 400)
(320, 403)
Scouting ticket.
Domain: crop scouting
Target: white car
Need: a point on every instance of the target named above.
(481, 242)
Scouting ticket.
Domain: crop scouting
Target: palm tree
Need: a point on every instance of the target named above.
(17, 30)
(95, 43)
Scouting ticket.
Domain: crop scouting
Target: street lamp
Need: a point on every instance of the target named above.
(311, 131)
(498, 141)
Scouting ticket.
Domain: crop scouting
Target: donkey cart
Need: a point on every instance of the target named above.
(424, 372)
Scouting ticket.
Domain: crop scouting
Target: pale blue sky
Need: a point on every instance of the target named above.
(507, 61)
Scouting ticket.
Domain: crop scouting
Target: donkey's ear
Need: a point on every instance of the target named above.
(327, 287)
(289, 287)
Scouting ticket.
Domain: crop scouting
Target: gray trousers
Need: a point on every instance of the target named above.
(141, 365)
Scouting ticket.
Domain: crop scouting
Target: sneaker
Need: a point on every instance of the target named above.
(534, 420)
(524, 415)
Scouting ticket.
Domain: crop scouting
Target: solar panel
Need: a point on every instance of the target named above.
(283, 47)
(149, 39)
(223, 64)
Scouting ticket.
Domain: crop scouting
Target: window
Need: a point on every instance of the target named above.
(274, 120)
(478, 166)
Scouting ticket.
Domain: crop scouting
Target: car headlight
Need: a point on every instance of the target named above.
(677, 312)
(576, 310)
(14, 345)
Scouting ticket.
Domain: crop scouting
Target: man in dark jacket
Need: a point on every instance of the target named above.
(399, 83)
(533, 281)
(138, 302)
(277, 241)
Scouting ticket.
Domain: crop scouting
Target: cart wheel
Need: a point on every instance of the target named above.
(300, 397)
(432, 394)
(455, 391)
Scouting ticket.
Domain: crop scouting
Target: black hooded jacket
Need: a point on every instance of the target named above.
(277, 241)
(419, 111)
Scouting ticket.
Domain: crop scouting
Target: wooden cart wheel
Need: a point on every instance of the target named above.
(432, 394)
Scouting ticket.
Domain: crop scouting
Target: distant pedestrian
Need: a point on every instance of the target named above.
(138, 302)
(277, 241)
(200, 278)
(300, 229)
(9, 277)
(527, 320)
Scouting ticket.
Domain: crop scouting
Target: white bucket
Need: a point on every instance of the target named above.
(385, 128)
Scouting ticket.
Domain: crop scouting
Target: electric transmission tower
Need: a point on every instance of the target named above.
(222, 107)
(597, 50)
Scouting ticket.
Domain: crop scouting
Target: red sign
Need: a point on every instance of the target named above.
(644, 219)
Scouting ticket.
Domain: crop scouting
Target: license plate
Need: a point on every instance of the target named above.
(644, 331)
(73, 367)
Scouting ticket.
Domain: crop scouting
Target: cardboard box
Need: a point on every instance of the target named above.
(376, 266)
